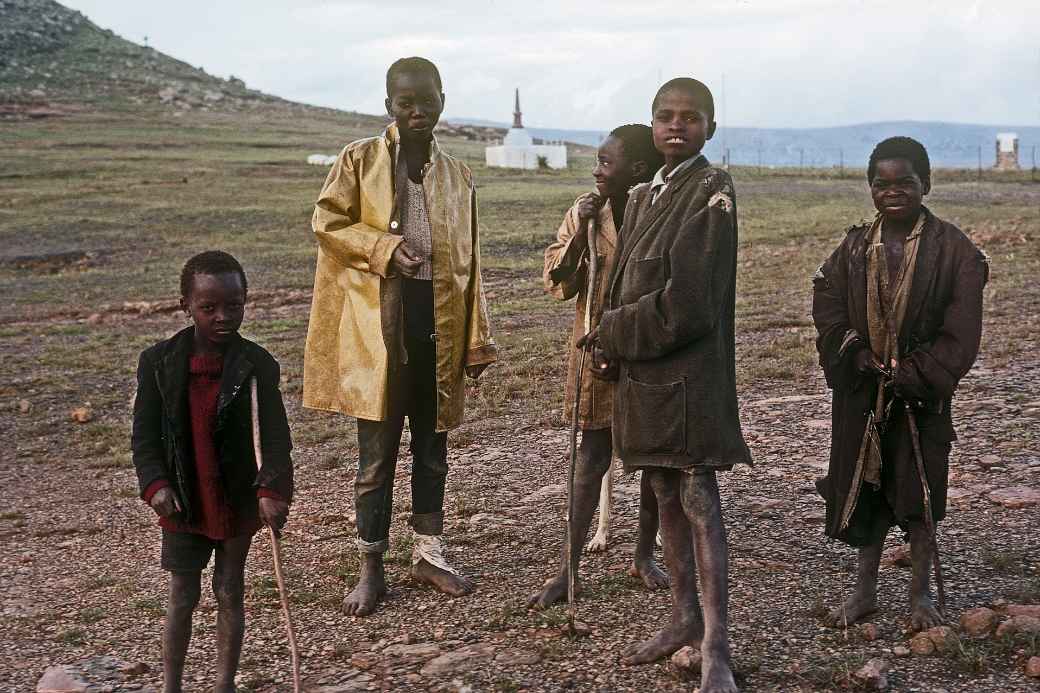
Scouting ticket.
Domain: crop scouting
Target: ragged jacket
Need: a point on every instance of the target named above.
(161, 438)
(669, 324)
(355, 334)
(939, 341)
(566, 275)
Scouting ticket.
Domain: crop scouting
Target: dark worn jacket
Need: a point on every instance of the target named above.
(669, 324)
(939, 341)
(162, 447)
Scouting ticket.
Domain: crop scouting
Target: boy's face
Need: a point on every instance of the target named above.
(897, 189)
(415, 103)
(615, 173)
(680, 126)
(216, 305)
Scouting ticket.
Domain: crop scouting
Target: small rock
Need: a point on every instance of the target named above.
(518, 657)
(901, 651)
(921, 645)
(59, 679)
(581, 629)
(462, 659)
(134, 669)
(898, 556)
(1014, 497)
(868, 631)
(990, 461)
(687, 660)
(1018, 624)
(943, 637)
(419, 652)
(1033, 667)
(94, 319)
(364, 660)
(24, 406)
(81, 414)
(873, 675)
(1023, 610)
(979, 621)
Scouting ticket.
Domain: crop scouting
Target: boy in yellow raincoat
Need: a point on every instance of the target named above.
(398, 316)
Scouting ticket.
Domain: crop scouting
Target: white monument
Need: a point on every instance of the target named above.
(518, 150)
(1007, 151)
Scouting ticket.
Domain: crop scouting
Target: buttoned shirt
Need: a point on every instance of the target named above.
(662, 180)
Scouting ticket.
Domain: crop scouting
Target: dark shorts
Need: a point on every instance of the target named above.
(184, 552)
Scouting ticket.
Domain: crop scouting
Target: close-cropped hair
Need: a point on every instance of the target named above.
(211, 262)
(414, 65)
(695, 88)
(901, 148)
(638, 143)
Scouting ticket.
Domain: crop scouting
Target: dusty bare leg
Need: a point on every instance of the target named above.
(644, 566)
(370, 588)
(923, 614)
(594, 458)
(184, 597)
(863, 601)
(229, 590)
(687, 626)
(700, 500)
(606, 504)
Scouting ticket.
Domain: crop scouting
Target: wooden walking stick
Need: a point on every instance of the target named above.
(929, 520)
(575, 415)
(276, 548)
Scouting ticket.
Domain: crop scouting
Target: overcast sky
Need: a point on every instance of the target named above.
(583, 65)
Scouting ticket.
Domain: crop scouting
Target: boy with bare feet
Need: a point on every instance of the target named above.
(668, 333)
(625, 158)
(898, 313)
(398, 317)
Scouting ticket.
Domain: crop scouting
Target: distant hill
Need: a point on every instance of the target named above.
(54, 57)
(950, 145)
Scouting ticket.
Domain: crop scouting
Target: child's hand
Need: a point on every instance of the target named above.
(589, 205)
(164, 503)
(405, 261)
(273, 512)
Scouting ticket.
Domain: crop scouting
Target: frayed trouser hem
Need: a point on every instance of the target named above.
(373, 546)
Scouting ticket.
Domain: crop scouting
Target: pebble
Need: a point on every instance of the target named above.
(687, 660)
(81, 414)
(1033, 667)
(1019, 624)
(921, 645)
(901, 651)
(979, 621)
(1015, 497)
(873, 675)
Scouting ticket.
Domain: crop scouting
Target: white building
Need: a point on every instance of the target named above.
(1007, 151)
(518, 150)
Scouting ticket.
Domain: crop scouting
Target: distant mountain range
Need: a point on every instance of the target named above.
(950, 145)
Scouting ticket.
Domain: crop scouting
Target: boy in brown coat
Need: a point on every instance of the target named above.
(626, 157)
(898, 313)
(668, 331)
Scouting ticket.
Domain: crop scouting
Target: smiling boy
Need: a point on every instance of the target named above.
(898, 314)
(668, 330)
(398, 316)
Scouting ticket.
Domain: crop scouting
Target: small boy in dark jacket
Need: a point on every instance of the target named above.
(193, 452)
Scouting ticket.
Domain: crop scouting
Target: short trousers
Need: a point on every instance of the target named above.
(184, 552)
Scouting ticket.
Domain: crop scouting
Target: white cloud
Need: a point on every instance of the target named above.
(594, 65)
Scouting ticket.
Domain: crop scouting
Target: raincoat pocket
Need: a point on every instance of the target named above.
(653, 417)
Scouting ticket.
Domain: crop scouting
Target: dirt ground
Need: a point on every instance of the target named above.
(80, 570)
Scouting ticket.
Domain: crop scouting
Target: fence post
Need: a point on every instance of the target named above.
(980, 162)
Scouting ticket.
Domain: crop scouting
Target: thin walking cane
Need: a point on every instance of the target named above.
(929, 520)
(276, 548)
(571, 577)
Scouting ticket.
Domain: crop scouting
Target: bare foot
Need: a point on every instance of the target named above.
(652, 576)
(717, 672)
(449, 583)
(554, 590)
(370, 589)
(668, 641)
(923, 614)
(598, 544)
(855, 607)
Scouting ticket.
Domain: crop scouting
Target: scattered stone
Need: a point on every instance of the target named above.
(868, 631)
(419, 652)
(990, 461)
(897, 556)
(1033, 667)
(687, 660)
(1023, 610)
(364, 660)
(1014, 497)
(1028, 625)
(581, 629)
(61, 679)
(943, 637)
(960, 496)
(873, 675)
(921, 645)
(81, 414)
(134, 669)
(518, 657)
(462, 659)
(94, 318)
(979, 621)
(901, 651)
(24, 406)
